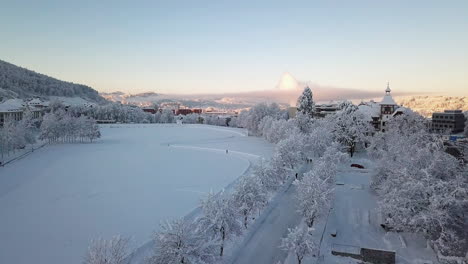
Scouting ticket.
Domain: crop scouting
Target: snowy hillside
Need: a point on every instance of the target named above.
(426, 105)
(18, 82)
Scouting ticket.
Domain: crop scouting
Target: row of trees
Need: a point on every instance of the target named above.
(16, 135)
(421, 187)
(61, 126)
(56, 126)
(224, 215)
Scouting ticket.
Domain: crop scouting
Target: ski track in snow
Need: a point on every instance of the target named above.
(138, 255)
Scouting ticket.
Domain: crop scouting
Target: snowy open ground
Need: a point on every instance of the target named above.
(54, 201)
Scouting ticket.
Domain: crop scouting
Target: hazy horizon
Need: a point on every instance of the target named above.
(225, 47)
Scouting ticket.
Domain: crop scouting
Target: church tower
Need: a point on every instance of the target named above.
(387, 107)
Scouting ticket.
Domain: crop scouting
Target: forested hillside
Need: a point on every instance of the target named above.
(426, 105)
(23, 83)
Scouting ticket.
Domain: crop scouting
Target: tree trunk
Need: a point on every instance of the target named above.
(223, 236)
(245, 219)
(299, 259)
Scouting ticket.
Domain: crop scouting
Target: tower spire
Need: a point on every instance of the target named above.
(388, 90)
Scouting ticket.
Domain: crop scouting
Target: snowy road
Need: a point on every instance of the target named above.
(355, 219)
(261, 244)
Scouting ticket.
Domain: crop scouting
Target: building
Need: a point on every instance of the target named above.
(380, 113)
(187, 111)
(148, 109)
(449, 120)
(11, 109)
(14, 109)
(322, 110)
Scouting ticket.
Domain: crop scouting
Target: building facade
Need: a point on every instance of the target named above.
(380, 113)
(449, 120)
(15, 109)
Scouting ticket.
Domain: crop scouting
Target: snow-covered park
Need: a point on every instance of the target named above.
(56, 200)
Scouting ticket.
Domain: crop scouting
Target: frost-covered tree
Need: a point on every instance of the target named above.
(167, 116)
(252, 118)
(180, 241)
(421, 188)
(62, 127)
(314, 192)
(271, 173)
(249, 196)
(275, 130)
(111, 251)
(351, 127)
(290, 150)
(466, 124)
(305, 103)
(299, 242)
(315, 189)
(191, 119)
(318, 139)
(220, 218)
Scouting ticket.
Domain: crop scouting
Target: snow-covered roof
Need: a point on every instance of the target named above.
(35, 101)
(370, 110)
(400, 109)
(388, 100)
(12, 105)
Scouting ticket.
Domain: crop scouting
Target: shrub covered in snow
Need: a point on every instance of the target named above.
(220, 218)
(180, 241)
(111, 251)
(249, 196)
(299, 242)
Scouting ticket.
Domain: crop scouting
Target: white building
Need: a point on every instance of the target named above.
(11, 109)
(380, 113)
(14, 109)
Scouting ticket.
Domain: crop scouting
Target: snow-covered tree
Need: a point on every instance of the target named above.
(305, 103)
(466, 124)
(314, 190)
(275, 130)
(252, 118)
(351, 127)
(167, 116)
(111, 251)
(191, 119)
(290, 150)
(314, 193)
(318, 139)
(180, 241)
(220, 218)
(249, 196)
(62, 127)
(270, 172)
(421, 188)
(299, 242)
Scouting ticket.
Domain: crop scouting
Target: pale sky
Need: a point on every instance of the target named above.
(234, 46)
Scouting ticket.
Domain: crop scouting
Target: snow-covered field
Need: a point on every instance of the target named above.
(54, 201)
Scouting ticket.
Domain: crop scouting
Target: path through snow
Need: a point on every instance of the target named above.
(261, 244)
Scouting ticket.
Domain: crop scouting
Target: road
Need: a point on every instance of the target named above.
(261, 244)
